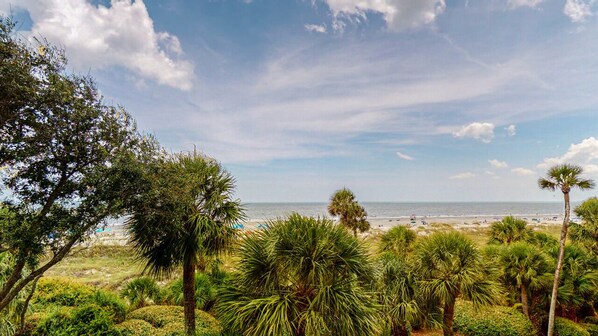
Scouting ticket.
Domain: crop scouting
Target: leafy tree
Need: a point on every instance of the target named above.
(65, 156)
(526, 267)
(183, 218)
(451, 267)
(509, 230)
(398, 240)
(301, 276)
(579, 281)
(563, 177)
(352, 214)
(586, 233)
(141, 292)
(397, 294)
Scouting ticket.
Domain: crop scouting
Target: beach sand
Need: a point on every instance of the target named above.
(117, 235)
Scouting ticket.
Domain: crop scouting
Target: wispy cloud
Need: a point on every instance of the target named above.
(405, 156)
(511, 130)
(578, 10)
(315, 28)
(523, 171)
(523, 3)
(462, 176)
(498, 164)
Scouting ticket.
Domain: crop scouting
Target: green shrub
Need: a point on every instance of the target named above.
(490, 321)
(591, 320)
(87, 320)
(565, 327)
(162, 317)
(137, 328)
(205, 292)
(592, 329)
(112, 304)
(56, 291)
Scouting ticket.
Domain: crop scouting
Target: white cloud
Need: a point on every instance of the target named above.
(511, 130)
(512, 4)
(398, 14)
(584, 154)
(479, 131)
(120, 35)
(315, 28)
(578, 10)
(498, 164)
(523, 171)
(492, 175)
(405, 156)
(462, 176)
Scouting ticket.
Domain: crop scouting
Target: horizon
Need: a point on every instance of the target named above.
(398, 100)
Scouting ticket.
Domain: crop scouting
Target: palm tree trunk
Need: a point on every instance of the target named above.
(447, 318)
(524, 300)
(189, 297)
(559, 267)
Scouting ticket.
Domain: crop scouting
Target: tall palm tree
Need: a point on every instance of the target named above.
(525, 266)
(184, 216)
(508, 230)
(563, 177)
(351, 214)
(301, 276)
(451, 267)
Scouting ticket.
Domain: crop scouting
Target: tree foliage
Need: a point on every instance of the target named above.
(352, 215)
(66, 158)
(301, 276)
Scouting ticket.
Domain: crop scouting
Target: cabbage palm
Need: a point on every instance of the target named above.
(525, 266)
(451, 267)
(586, 233)
(508, 230)
(182, 218)
(301, 276)
(398, 240)
(141, 292)
(397, 291)
(351, 214)
(563, 177)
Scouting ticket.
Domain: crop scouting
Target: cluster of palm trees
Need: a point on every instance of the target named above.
(306, 276)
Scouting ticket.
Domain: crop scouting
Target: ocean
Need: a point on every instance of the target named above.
(261, 211)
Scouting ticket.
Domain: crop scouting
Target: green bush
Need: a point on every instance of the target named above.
(137, 328)
(55, 291)
(591, 320)
(205, 292)
(490, 321)
(592, 329)
(565, 327)
(170, 319)
(112, 304)
(87, 320)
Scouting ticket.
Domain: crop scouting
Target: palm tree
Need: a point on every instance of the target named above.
(397, 294)
(508, 230)
(141, 292)
(183, 218)
(398, 240)
(352, 214)
(563, 177)
(301, 276)
(525, 266)
(451, 267)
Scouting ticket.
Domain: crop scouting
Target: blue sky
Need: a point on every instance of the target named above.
(399, 100)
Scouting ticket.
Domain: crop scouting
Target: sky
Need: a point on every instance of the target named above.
(398, 100)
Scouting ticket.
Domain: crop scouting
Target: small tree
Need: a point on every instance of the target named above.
(451, 267)
(398, 240)
(586, 232)
(141, 292)
(563, 177)
(352, 215)
(509, 230)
